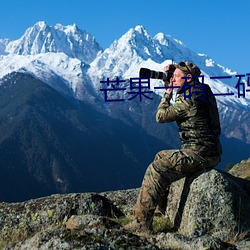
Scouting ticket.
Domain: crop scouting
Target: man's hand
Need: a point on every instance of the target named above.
(167, 83)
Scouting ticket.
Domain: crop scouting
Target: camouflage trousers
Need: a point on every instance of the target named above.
(167, 167)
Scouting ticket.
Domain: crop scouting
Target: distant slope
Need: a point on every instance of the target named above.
(52, 144)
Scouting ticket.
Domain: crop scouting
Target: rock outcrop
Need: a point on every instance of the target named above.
(211, 202)
(209, 210)
(241, 169)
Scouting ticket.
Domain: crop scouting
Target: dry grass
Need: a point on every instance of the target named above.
(238, 237)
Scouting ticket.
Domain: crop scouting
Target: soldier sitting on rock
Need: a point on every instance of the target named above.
(193, 107)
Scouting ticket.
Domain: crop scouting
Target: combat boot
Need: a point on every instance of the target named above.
(139, 227)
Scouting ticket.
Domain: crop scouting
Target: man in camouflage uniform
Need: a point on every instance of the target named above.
(195, 111)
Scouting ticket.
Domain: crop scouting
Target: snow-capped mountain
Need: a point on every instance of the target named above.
(137, 49)
(71, 61)
(41, 38)
(58, 55)
(74, 56)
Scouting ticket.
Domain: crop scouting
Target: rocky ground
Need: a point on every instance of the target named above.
(208, 211)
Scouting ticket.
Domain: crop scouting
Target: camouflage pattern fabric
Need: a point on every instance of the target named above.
(199, 128)
(195, 111)
(168, 166)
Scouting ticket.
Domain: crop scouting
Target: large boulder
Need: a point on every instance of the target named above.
(210, 202)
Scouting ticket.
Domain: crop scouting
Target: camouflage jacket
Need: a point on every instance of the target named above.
(196, 113)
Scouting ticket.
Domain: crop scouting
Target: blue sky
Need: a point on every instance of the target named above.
(218, 28)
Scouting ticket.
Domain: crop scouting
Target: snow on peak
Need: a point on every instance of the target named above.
(162, 39)
(140, 29)
(42, 38)
(69, 29)
(134, 46)
(3, 44)
(134, 36)
(41, 24)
